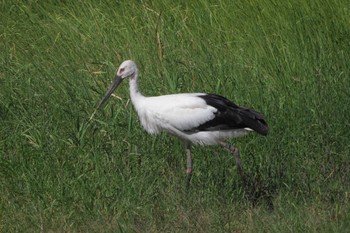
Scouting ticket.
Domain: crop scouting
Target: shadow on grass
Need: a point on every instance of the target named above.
(259, 190)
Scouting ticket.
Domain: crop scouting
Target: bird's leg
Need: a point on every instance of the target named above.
(189, 166)
(235, 152)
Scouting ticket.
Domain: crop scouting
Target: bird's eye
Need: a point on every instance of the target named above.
(121, 70)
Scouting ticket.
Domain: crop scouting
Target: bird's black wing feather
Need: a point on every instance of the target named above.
(231, 116)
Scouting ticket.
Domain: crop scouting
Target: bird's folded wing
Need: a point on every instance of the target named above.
(183, 111)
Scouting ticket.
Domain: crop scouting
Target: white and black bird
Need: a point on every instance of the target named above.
(196, 118)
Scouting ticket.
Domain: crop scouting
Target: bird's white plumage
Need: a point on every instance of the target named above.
(178, 113)
(181, 111)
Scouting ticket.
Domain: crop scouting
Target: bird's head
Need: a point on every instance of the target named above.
(126, 70)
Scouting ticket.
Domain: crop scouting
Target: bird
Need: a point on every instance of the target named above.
(195, 118)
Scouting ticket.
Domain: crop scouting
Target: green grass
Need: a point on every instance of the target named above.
(61, 173)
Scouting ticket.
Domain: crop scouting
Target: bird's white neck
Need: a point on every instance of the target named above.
(135, 93)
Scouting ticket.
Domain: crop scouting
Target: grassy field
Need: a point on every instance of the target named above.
(61, 173)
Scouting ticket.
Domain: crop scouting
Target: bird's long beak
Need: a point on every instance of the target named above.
(117, 80)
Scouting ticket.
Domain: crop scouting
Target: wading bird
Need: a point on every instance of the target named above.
(196, 118)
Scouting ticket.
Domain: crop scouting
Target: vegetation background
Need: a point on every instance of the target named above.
(60, 172)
